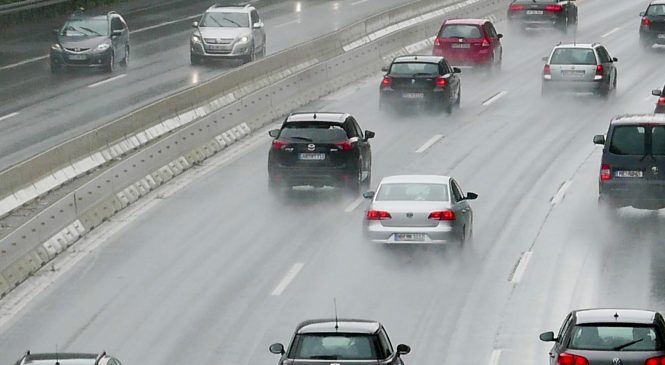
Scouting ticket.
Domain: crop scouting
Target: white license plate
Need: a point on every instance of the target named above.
(534, 12)
(572, 73)
(216, 48)
(461, 45)
(77, 57)
(413, 95)
(661, 36)
(628, 173)
(409, 237)
(312, 156)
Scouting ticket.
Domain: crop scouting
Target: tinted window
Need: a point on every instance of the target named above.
(457, 191)
(573, 56)
(491, 32)
(656, 10)
(337, 346)
(460, 31)
(85, 28)
(116, 24)
(658, 141)
(227, 20)
(319, 132)
(628, 140)
(255, 17)
(615, 338)
(603, 55)
(412, 192)
(403, 68)
(386, 346)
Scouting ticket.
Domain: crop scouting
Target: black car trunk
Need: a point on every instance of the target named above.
(296, 153)
(414, 83)
(607, 357)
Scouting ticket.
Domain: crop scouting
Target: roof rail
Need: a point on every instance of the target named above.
(25, 358)
(112, 12)
(100, 357)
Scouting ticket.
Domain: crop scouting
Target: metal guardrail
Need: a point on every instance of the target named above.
(28, 5)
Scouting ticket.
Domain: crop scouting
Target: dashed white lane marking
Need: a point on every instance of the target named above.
(294, 21)
(358, 2)
(10, 115)
(107, 80)
(429, 143)
(521, 267)
(24, 62)
(495, 357)
(288, 278)
(165, 23)
(356, 203)
(494, 98)
(558, 197)
(610, 32)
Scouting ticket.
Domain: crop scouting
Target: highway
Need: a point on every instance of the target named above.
(213, 269)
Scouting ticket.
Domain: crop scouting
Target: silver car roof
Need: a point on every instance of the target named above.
(431, 179)
(607, 315)
(639, 119)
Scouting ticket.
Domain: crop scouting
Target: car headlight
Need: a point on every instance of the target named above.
(196, 38)
(243, 39)
(102, 47)
(56, 47)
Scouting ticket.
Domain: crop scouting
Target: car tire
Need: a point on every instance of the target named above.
(263, 51)
(368, 180)
(110, 67)
(458, 102)
(125, 61)
(250, 57)
(461, 241)
(194, 59)
(355, 185)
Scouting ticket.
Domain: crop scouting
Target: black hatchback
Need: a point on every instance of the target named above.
(320, 149)
(632, 171)
(561, 14)
(652, 26)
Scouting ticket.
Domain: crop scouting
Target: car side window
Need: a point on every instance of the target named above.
(255, 17)
(358, 129)
(457, 192)
(603, 55)
(445, 68)
(350, 128)
(491, 32)
(386, 346)
(116, 24)
(564, 328)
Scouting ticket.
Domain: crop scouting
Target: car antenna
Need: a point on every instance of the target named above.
(616, 316)
(314, 116)
(336, 321)
(57, 358)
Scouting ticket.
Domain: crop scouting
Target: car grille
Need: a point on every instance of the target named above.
(218, 49)
(77, 49)
(222, 41)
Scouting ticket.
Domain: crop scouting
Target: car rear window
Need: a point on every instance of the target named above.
(334, 346)
(610, 337)
(656, 10)
(412, 192)
(638, 140)
(226, 20)
(573, 56)
(85, 28)
(460, 31)
(316, 132)
(411, 68)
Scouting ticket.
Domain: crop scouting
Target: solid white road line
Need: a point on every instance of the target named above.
(294, 21)
(521, 267)
(8, 116)
(29, 60)
(288, 278)
(558, 197)
(429, 143)
(356, 203)
(494, 98)
(107, 80)
(610, 32)
(358, 2)
(495, 357)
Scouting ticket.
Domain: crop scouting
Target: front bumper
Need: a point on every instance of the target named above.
(83, 60)
(375, 232)
(639, 194)
(220, 51)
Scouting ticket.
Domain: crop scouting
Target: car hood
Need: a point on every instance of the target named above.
(81, 42)
(218, 32)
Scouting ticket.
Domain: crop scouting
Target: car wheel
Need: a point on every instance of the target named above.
(458, 102)
(462, 239)
(125, 61)
(195, 59)
(263, 50)
(564, 27)
(251, 56)
(110, 68)
(356, 183)
(368, 180)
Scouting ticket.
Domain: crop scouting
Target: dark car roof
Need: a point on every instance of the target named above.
(345, 325)
(418, 58)
(330, 117)
(639, 118)
(608, 315)
(469, 21)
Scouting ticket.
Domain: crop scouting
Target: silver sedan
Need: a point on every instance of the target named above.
(418, 209)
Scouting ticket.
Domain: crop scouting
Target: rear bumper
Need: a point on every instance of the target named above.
(536, 22)
(638, 194)
(480, 57)
(555, 86)
(376, 233)
(317, 177)
(401, 97)
(652, 36)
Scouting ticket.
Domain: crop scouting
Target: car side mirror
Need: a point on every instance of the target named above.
(614, 59)
(384, 68)
(547, 336)
(499, 35)
(656, 92)
(277, 348)
(403, 349)
(642, 13)
(457, 70)
(195, 24)
(546, 58)
(471, 196)
(258, 25)
(273, 133)
(599, 139)
(369, 135)
(369, 195)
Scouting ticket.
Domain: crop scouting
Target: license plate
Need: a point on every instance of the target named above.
(216, 48)
(312, 156)
(409, 237)
(628, 173)
(661, 36)
(534, 12)
(413, 95)
(572, 73)
(77, 57)
(461, 45)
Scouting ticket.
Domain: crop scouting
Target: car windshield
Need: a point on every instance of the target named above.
(334, 346)
(573, 56)
(460, 31)
(85, 28)
(412, 68)
(656, 10)
(314, 132)
(635, 140)
(412, 192)
(610, 337)
(225, 20)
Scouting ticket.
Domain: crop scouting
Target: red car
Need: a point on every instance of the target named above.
(469, 42)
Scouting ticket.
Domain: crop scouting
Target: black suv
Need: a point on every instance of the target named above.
(64, 358)
(351, 341)
(652, 27)
(632, 171)
(413, 80)
(561, 14)
(91, 41)
(320, 149)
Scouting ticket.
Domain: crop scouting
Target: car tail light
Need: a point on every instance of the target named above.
(278, 145)
(387, 81)
(486, 43)
(605, 172)
(547, 70)
(515, 7)
(378, 215)
(660, 360)
(599, 70)
(437, 42)
(442, 215)
(646, 21)
(661, 101)
(570, 359)
(554, 8)
(344, 145)
(441, 82)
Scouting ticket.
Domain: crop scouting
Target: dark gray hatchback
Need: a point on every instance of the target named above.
(632, 171)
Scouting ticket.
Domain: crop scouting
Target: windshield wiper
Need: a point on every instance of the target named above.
(90, 30)
(231, 21)
(621, 347)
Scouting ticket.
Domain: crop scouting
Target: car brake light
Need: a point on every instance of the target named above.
(554, 8)
(486, 43)
(570, 359)
(605, 172)
(344, 145)
(378, 215)
(547, 70)
(599, 70)
(278, 145)
(387, 81)
(441, 82)
(437, 42)
(443, 215)
(661, 101)
(660, 360)
(515, 7)
(646, 21)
